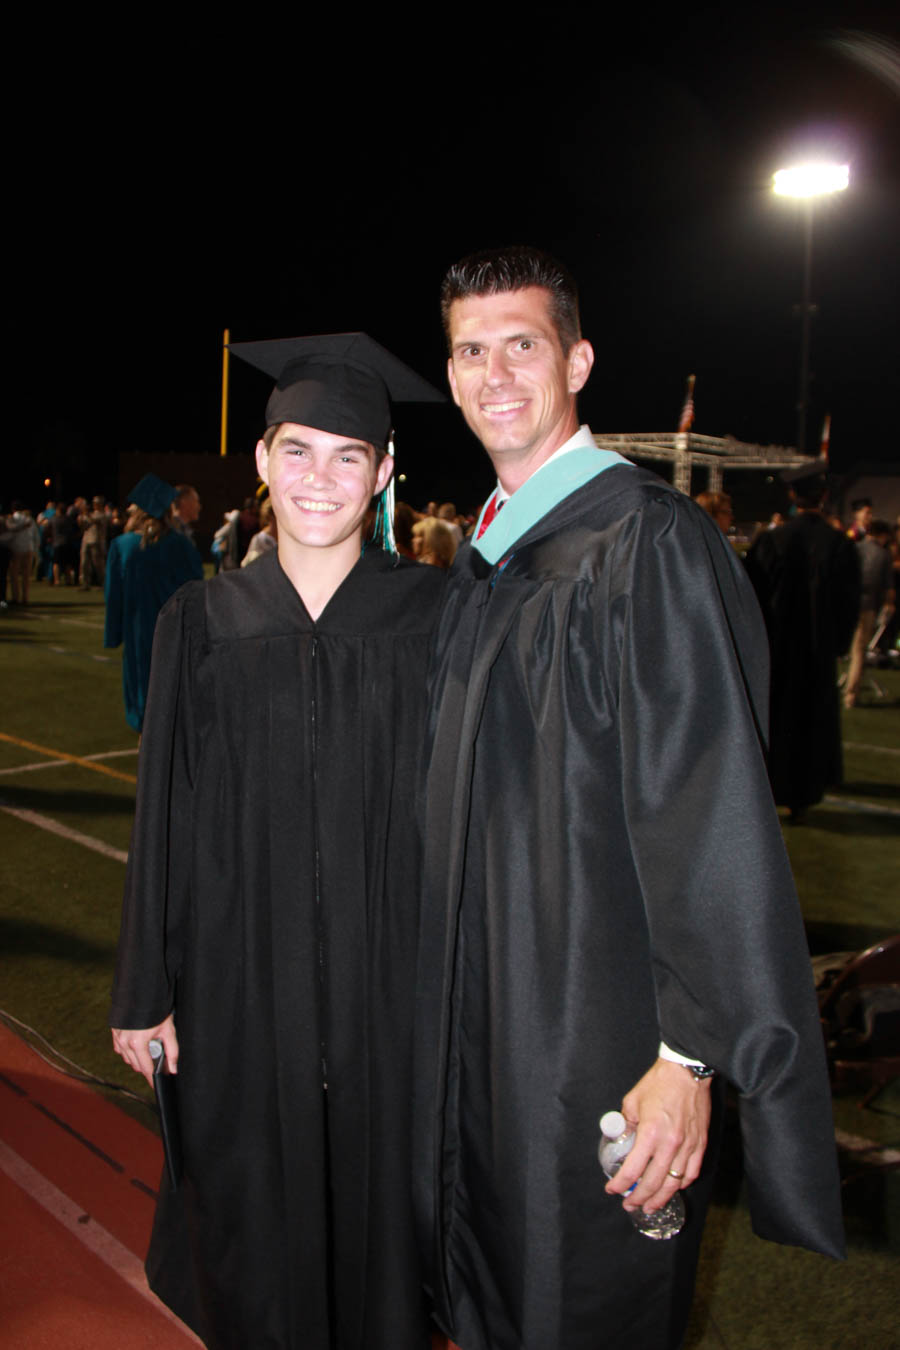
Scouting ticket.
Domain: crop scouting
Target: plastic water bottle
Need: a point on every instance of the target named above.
(616, 1143)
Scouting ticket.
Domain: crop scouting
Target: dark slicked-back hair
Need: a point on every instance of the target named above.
(494, 271)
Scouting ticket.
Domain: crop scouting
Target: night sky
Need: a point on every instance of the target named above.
(313, 176)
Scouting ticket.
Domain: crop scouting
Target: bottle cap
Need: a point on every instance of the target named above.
(612, 1124)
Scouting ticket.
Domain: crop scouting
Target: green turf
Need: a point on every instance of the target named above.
(59, 919)
(63, 680)
(60, 905)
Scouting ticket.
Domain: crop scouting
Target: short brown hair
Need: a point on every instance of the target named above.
(495, 271)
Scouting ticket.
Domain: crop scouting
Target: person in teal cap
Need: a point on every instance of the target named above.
(144, 566)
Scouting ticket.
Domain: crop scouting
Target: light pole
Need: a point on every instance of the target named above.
(807, 182)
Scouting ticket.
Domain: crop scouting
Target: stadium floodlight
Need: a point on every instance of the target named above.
(807, 182)
(811, 180)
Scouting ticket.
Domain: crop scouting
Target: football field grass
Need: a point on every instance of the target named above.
(68, 764)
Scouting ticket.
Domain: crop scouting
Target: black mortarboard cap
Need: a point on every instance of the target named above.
(343, 383)
(153, 495)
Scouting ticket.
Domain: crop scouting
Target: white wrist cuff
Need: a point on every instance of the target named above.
(665, 1052)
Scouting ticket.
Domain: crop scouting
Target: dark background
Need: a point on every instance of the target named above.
(294, 175)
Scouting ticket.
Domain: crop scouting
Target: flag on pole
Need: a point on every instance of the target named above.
(826, 437)
(687, 412)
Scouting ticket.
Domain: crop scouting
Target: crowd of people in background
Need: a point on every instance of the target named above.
(67, 544)
(877, 562)
(823, 589)
(64, 545)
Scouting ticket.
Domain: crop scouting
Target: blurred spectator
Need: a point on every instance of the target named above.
(64, 538)
(146, 565)
(93, 524)
(876, 595)
(890, 638)
(266, 538)
(6, 539)
(404, 520)
(186, 510)
(247, 525)
(115, 526)
(438, 543)
(45, 552)
(862, 517)
(806, 576)
(225, 543)
(717, 505)
(24, 543)
(447, 513)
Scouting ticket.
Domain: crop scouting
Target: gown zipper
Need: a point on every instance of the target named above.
(320, 926)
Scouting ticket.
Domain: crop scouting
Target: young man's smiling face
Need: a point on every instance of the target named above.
(320, 485)
(511, 379)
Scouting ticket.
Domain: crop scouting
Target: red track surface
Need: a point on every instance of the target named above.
(77, 1186)
(54, 1289)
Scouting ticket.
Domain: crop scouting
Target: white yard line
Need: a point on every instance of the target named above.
(59, 763)
(852, 804)
(73, 623)
(30, 768)
(68, 651)
(64, 832)
(91, 1234)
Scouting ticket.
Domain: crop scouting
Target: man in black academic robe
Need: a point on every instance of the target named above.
(806, 578)
(271, 899)
(608, 910)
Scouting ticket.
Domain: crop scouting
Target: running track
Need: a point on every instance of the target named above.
(77, 1185)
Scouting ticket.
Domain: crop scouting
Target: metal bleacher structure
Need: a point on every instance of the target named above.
(685, 449)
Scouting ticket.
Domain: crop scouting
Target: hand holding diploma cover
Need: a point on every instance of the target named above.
(165, 1087)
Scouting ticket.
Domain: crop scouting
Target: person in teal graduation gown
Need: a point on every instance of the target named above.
(144, 567)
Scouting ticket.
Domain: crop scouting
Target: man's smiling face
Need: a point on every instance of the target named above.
(510, 377)
(320, 484)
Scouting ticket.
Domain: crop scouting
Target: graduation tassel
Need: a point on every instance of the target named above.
(383, 531)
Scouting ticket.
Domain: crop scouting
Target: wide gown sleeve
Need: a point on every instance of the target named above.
(731, 964)
(158, 877)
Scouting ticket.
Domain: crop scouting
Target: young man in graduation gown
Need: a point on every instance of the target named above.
(608, 916)
(268, 932)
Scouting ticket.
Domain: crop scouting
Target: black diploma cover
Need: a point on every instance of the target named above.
(166, 1087)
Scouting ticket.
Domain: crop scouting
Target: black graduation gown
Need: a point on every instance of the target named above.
(271, 900)
(806, 577)
(603, 869)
